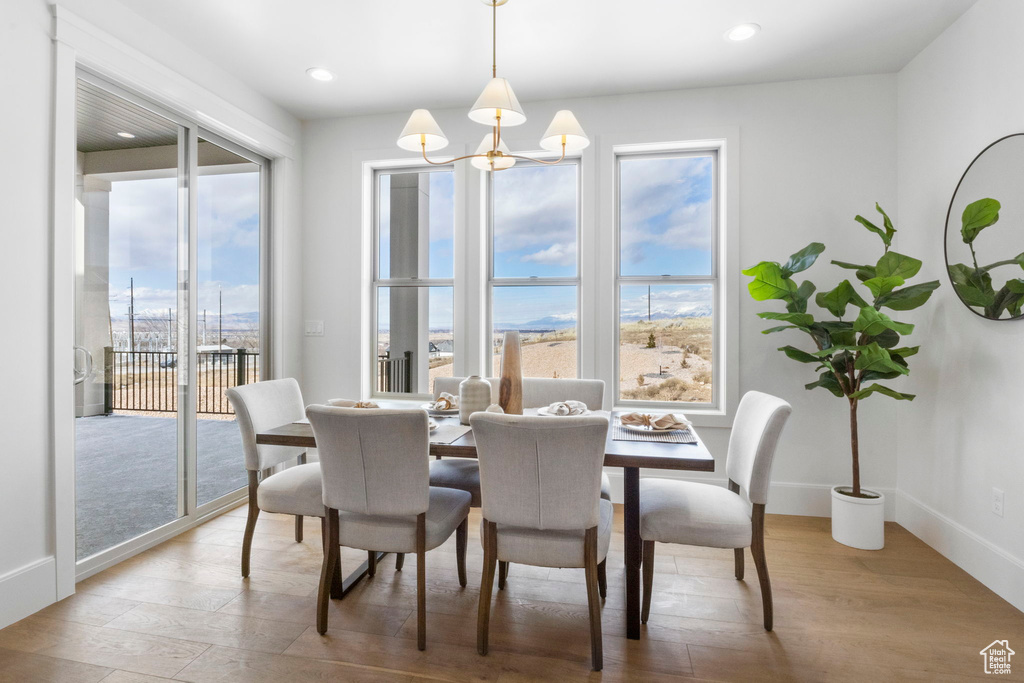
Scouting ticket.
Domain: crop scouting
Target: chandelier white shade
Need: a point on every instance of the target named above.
(422, 132)
(498, 108)
(564, 130)
(492, 162)
(497, 102)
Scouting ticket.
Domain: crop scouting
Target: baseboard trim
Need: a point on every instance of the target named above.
(784, 498)
(27, 590)
(997, 569)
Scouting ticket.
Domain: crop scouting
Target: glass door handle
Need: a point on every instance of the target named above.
(82, 375)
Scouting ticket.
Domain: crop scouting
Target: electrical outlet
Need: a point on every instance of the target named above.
(997, 502)
(314, 328)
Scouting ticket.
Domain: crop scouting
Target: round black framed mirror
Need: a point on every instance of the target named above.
(985, 232)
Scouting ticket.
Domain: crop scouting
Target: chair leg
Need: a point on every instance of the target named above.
(602, 578)
(327, 571)
(461, 536)
(757, 550)
(399, 561)
(648, 567)
(593, 598)
(739, 563)
(250, 523)
(486, 586)
(421, 581)
(325, 535)
(298, 528)
(502, 575)
(371, 563)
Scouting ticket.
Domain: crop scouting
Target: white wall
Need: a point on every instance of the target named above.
(27, 518)
(812, 155)
(964, 433)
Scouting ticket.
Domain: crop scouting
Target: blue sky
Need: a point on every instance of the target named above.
(143, 244)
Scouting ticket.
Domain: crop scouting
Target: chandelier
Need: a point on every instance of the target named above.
(496, 107)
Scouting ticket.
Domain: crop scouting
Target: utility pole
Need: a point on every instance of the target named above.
(131, 314)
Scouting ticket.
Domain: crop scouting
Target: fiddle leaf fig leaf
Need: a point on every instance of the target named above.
(904, 351)
(803, 259)
(1016, 286)
(977, 216)
(797, 319)
(898, 265)
(886, 233)
(798, 304)
(876, 359)
(799, 354)
(780, 328)
(826, 380)
(873, 323)
(769, 282)
(839, 298)
(886, 391)
(863, 272)
(908, 298)
(880, 286)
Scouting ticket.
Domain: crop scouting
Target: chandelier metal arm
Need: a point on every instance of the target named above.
(449, 161)
(540, 161)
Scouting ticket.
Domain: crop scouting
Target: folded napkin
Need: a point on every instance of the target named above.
(446, 401)
(366, 404)
(341, 402)
(494, 408)
(659, 422)
(567, 408)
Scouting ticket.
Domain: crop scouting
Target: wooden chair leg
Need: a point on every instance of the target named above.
(461, 537)
(757, 550)
(399, 561)
(371, 563)
(739, 563)
(250, 523)
(486, 586)
(298, 528)
(421, 581)
(648, 567)
(327, 571)
(593, 598)
(502, 575)
(325, 537)
(602, 578)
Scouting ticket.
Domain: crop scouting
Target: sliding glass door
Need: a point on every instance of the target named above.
(169, 273)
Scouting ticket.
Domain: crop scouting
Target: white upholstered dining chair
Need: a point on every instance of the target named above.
(691, 513)
(293, 491)
(541, 484)
(378, 497)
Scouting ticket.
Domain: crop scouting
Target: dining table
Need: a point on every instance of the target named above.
(631, 456)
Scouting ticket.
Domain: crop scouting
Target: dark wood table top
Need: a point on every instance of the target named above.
(665, 456)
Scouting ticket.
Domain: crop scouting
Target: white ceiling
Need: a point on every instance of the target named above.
(392, 55)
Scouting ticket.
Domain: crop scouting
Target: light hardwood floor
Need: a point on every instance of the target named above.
(181, 611)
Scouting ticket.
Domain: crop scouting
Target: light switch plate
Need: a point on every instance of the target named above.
(997, 502)
(314, 328)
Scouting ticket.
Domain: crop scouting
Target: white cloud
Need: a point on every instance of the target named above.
(666, 300)
(534, 206)
(557, 254)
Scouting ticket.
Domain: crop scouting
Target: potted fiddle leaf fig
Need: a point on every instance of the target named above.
(856, 347)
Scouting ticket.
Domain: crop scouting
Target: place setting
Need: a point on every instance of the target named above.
(665, 428)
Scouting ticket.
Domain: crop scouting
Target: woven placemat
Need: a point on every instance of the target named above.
(620, 433)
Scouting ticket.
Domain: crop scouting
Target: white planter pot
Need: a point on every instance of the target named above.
(858, 522)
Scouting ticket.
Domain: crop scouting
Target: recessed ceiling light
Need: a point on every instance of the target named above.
(742, 32)
(318, 73)
(123, 134)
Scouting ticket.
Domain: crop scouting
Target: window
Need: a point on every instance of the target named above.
(413, 283)
(667, 276)
(534, 265)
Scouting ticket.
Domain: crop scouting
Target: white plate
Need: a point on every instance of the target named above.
(650, 430)
(547, 413)
(429, 407)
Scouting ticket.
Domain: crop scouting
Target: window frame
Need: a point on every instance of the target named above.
(376, 282)
(533, 281)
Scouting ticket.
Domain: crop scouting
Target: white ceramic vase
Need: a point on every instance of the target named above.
(858, 522)
(474, 397)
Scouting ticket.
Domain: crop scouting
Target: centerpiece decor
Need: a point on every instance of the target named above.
(852, 353)
(510, 392)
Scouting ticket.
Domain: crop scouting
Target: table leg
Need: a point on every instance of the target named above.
(631, 481)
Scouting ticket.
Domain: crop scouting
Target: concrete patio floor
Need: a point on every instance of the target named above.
(126, 474)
